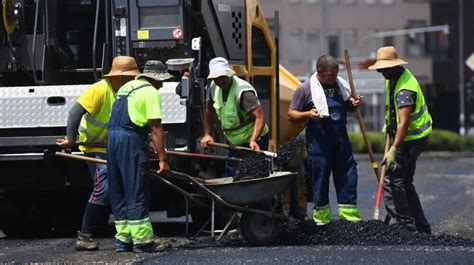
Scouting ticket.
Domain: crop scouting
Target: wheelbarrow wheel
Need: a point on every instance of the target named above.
(259, 229)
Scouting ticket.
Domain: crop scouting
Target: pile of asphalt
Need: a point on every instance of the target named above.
(290, 154)
(257, 165)
(364, 233)
(344, 233)
(253, 165)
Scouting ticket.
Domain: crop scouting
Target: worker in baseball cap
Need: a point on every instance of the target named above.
(408, 124)
(136, 114)
(235, 103)
(90, 115)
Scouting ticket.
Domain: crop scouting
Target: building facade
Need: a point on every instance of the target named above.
(425, 33)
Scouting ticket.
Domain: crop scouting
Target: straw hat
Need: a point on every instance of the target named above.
(156, 70)
(386, 57)
(219, 67)
(123, 65)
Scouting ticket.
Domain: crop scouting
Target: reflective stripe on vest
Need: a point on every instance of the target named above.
(420, 119)
(236, 124)
(93, 128)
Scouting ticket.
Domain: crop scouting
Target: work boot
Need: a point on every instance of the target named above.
(85, 242)
(123, 247)
(149, 247)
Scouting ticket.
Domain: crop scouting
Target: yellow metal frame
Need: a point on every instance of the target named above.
(256, 18)
(9, 25)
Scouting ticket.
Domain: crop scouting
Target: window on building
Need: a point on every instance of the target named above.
(296, 47)
(371, 2)
(349, 2)
(415, 42)
(438, 45)
(312, 1)
(293, 1)
(332, 2)
(387, 2)
(313, 49)
(333, 42)
(349, 39)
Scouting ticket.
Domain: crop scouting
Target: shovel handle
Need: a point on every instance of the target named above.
(378, 198)
(236, 147)
(204, 156)
(83, 158)
(230, 147)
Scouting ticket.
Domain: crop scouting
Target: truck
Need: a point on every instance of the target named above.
(52, 50)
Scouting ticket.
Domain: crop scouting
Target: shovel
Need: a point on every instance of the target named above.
(378, 198)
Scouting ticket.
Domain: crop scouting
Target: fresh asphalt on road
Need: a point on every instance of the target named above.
(444, 181)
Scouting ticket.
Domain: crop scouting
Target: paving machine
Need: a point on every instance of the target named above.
(51, 50)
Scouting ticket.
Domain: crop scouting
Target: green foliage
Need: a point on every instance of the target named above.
(440, 140)
(469, 143)
(376, 140)
(444, 140)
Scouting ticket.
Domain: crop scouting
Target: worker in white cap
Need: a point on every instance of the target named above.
(235, 103)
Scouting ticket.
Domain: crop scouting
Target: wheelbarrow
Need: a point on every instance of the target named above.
(251, 199)
(259, 223)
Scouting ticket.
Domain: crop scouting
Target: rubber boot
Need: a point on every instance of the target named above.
(84, 242)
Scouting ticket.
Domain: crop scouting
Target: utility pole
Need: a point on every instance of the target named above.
(462, 127)
(324, 27)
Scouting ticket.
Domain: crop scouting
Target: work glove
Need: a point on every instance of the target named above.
(389, 157)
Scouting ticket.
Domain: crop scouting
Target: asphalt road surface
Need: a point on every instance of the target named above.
(444, 181)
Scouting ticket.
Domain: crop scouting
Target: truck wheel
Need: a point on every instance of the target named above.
(259, 229)
(25, 220)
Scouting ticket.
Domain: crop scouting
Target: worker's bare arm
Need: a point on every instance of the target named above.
(209, 115)
(404, 118)
(157, 137)
(302, 116)
(259, 117)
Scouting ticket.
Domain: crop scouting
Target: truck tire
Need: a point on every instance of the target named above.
(258, 229)
(25, 219)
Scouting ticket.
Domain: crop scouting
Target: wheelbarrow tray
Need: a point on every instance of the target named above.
(252, 191)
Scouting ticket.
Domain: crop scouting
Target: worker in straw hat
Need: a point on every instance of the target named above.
(236, 105)
(136, 113)
(408, 123)
(90, 115)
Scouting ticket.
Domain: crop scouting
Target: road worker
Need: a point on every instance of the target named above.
(136, 112)
(90, 116)
(408, 123)
(235, 103)
(322, 103)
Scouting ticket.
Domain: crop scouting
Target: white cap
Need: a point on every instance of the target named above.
(218, 67)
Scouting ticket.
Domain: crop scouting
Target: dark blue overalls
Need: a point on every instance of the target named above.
(329, 150)
(128, 167)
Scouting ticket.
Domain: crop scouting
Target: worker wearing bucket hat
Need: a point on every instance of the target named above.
(236, 105)
(408, 123)
(90, 115)
(136, 113)
(322, 103)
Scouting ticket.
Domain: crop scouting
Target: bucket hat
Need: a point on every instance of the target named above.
(219, 67)
(386, 57)
(123, 65)
(156, 70)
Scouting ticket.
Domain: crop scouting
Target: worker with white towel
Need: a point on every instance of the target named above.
(322, 103)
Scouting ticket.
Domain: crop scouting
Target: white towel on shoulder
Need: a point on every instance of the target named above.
(319, 98)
